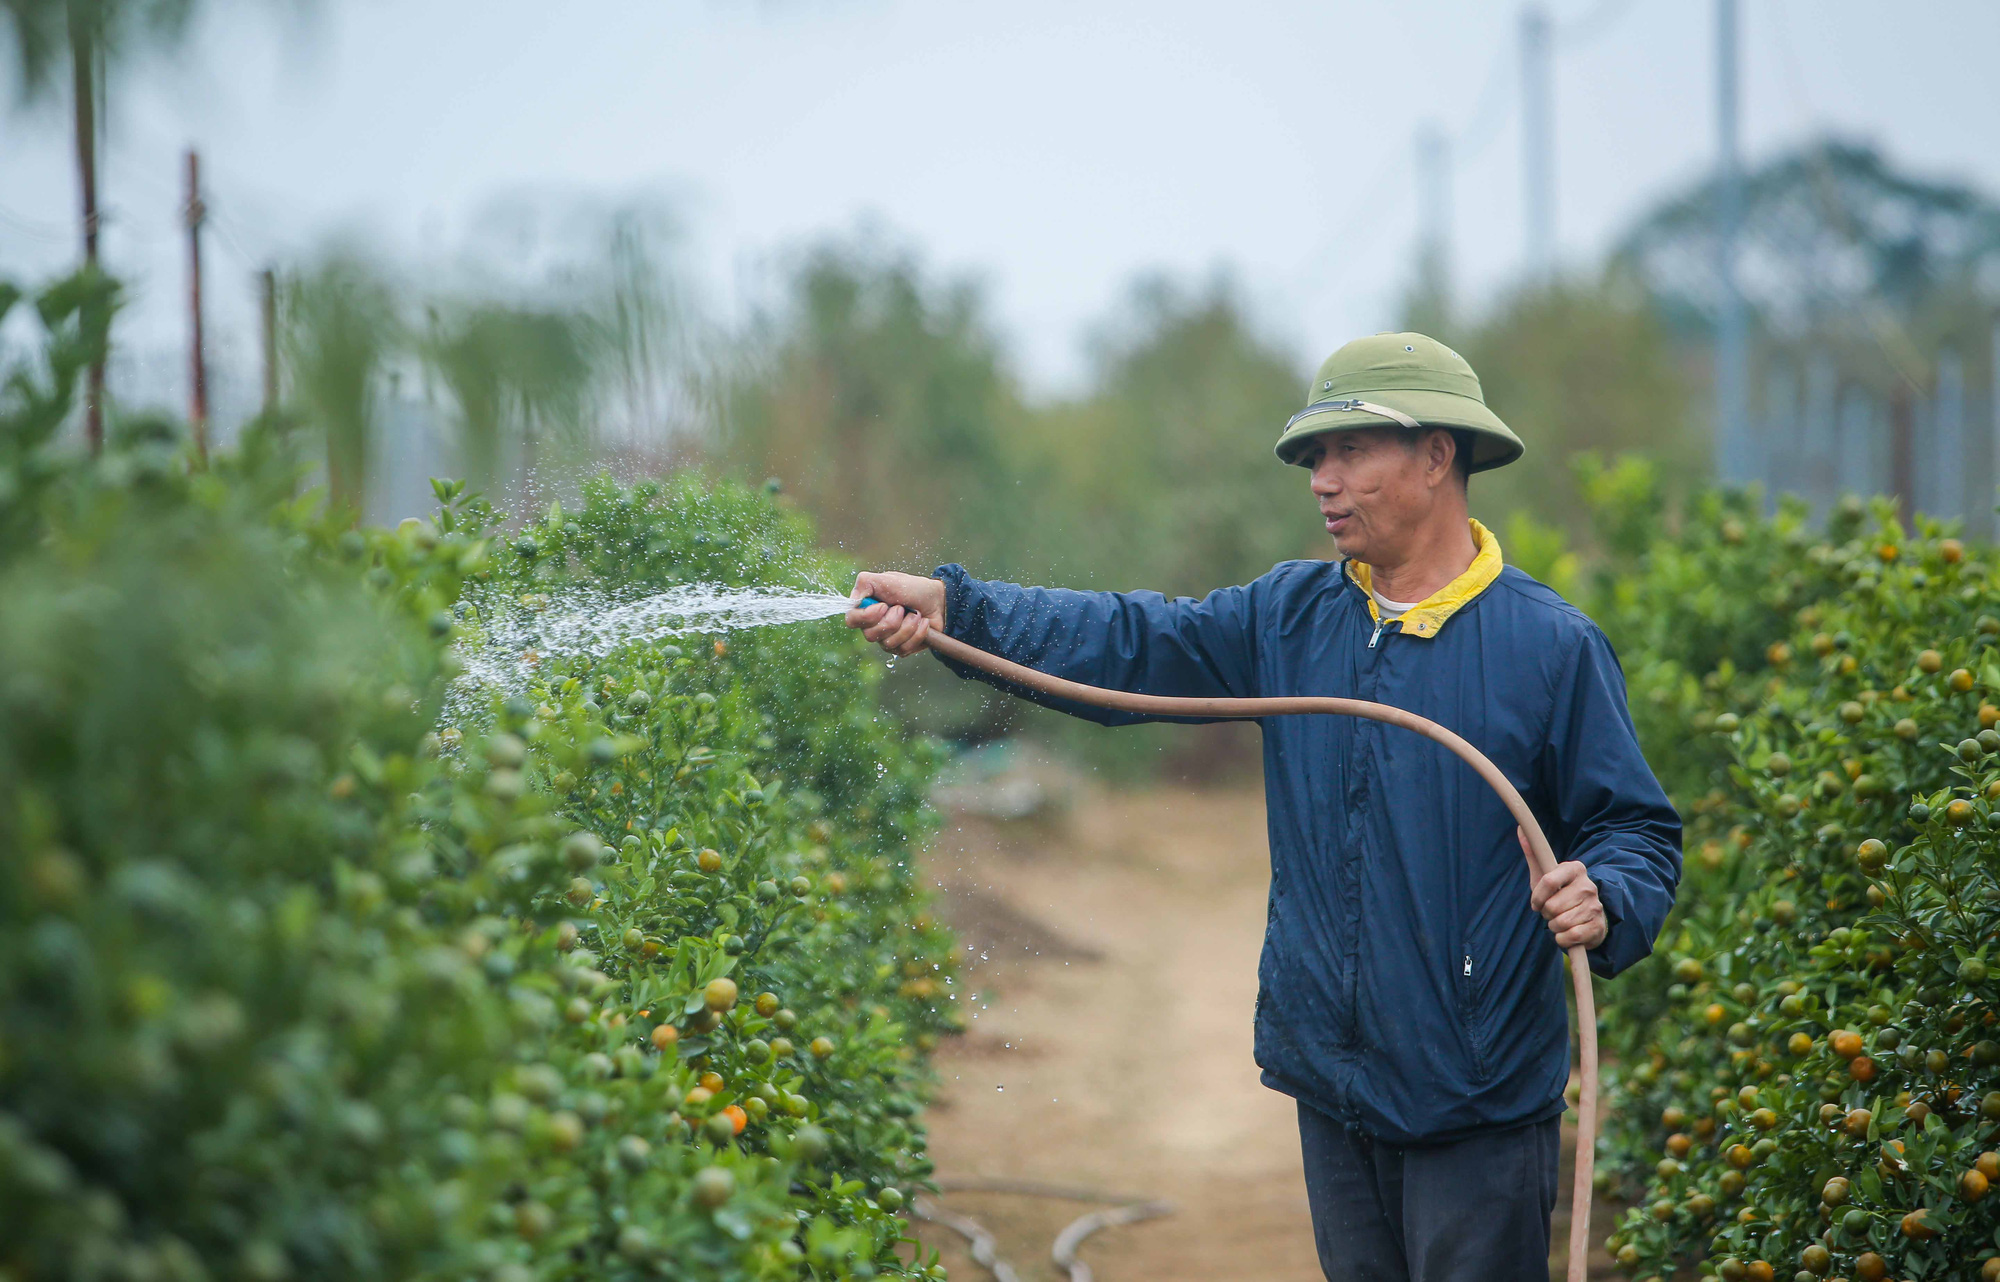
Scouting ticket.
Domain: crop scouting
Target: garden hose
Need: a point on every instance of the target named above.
(1122, 1208)
(1541, 858)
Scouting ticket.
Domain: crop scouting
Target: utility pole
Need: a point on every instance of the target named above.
(1733, 464)
(1538, 144)
(83, 60)
(195, 213)
(267, 290)
(1431, 309)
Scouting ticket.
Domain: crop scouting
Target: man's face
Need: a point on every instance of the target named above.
(1374, 490)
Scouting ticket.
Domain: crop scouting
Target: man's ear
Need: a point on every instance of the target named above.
(1439, 454)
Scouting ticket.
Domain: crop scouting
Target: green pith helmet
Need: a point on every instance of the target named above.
(1399, 380)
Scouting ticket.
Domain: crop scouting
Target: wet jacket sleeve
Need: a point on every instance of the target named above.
(1135, 641)
(1610, 811)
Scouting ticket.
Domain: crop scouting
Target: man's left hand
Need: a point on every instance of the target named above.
(1567, 899)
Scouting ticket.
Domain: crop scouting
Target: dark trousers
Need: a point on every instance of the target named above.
(1475, 1210)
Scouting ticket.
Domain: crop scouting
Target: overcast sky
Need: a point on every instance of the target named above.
(1052, 148)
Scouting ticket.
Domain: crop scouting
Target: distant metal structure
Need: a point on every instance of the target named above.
(1538, 144)
(1986, 525)
(1734, 451)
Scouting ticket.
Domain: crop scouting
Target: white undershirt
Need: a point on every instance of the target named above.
(1392, 609)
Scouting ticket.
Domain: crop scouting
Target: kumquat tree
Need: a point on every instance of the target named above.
(323, 959)
(1810, 1079)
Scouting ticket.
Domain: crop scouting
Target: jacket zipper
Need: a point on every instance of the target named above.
(1469, 1012)
(1379, 625)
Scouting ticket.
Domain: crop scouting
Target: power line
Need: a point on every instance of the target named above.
(1889, 336)
(33, 229)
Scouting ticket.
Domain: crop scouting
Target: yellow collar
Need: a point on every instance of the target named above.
(1427, 616)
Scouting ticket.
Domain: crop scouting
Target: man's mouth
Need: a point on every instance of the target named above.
(1336, 521)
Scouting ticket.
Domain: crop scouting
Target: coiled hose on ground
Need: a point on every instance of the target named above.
(1541, 858)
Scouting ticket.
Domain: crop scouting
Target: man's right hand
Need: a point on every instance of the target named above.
(910, 607)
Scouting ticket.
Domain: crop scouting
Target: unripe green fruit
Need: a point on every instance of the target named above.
(811, 1143)
(581, 851)
(713, 1186)
(533, 1219)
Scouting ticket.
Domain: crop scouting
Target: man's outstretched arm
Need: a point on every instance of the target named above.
(1138, 641)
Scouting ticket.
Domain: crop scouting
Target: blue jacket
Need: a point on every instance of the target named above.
(1406, 986)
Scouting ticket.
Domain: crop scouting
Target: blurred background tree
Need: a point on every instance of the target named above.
(1583, 366)
(339, 328)
(1161, 475)
(519, 377)
(883, 401)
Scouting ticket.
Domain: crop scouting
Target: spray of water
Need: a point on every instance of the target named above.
(512, 641)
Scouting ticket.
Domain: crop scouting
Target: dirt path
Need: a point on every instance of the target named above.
(1116, 952)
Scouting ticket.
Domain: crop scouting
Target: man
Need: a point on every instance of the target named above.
(1409, 998)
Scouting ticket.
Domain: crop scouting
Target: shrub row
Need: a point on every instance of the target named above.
(315, 963)
(1808, 1073)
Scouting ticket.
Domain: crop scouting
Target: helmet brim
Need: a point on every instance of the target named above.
(1494, 443)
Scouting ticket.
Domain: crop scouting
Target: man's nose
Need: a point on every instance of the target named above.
(1325, 480)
